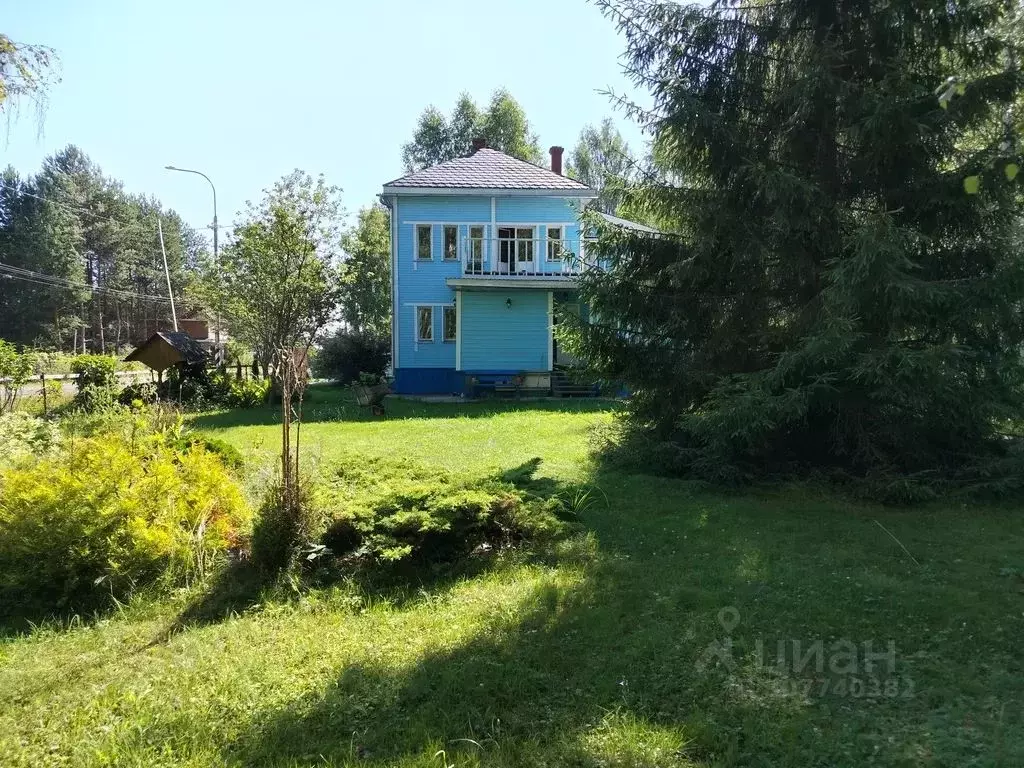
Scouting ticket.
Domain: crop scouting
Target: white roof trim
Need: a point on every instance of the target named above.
(587, 193)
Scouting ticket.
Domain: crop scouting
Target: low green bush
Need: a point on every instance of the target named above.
(387, 510)
(247, 393)
(346, 355)
(96, 382)
(104, 515)
(96, 370)
(142, 392)
(93, 398)
(63, 362)
(230, 455)
(283, 528)
(15, 370)
(24, 435)
(199, 388)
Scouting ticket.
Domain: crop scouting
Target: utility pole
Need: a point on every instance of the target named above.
(167, 272)
(216, 256)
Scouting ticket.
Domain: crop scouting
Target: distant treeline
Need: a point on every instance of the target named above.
(80, 262)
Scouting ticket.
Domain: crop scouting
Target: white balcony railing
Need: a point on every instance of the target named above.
(522, 257)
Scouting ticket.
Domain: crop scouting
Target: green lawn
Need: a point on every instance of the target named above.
(591, 656)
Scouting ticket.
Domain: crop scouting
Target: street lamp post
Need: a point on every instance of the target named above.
(216, 257)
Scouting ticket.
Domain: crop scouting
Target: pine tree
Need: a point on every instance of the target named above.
(829, 296)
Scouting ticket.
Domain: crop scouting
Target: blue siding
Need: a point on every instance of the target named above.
(493, 337)
(496, 337)
(453, 208)
(536, 210)
(428, 381)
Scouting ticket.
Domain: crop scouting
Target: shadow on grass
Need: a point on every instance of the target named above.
(19, 615)
(241, 587)
(610, 668)
(22, 619)
(586, 675)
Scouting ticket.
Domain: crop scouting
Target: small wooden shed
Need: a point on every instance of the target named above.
(168, 348)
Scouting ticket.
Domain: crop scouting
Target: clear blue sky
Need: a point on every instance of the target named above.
(247, 91)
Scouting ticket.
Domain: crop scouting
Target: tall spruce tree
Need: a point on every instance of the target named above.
(829, 296)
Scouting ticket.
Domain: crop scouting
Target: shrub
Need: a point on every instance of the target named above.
(97, 385)
(188, 385)
(386, 510)
(370, 379)
(23, 435)
(63, 362)
(247, 393)
(93, 398)
(346, 355)
(282, 528)
(96, 370)
(198, 388)
(15, 369)
(104, 515)
(143, 392)
(228, 454)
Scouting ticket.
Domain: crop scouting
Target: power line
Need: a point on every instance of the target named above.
(40, 278)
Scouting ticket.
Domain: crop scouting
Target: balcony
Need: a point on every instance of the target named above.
(530, 262)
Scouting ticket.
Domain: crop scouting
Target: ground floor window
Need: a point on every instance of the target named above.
(424, 323)
(450, 323)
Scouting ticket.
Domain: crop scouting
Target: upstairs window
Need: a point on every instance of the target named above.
(424, 243)
(555, 245)
(424, 324)
(451, 242)
(450, 324)
(475, 255)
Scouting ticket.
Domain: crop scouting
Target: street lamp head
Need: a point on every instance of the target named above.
(170, 168)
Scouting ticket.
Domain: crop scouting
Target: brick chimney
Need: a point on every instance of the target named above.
(556, 159)
(479, 142)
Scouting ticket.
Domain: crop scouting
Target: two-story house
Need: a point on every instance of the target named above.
(483, 248)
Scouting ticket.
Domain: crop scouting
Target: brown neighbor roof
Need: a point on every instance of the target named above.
(166, 348)
(488, 169)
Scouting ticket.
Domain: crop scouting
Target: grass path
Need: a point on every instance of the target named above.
(592, 657)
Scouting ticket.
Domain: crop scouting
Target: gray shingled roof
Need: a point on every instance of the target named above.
(189, 349)
(488, 169)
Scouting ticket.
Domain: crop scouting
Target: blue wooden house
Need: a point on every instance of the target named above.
(483, 248)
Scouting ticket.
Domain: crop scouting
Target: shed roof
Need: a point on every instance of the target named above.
(166, 348)
(488, 169)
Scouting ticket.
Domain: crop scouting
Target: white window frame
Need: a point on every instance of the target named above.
(514, 245)
(444, 313)
(559, 241)
(473, 243)
(416, 323)
(444, 244)
(416, 245)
